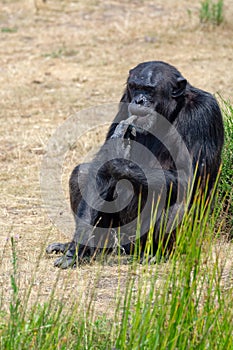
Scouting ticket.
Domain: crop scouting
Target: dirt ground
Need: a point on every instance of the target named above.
(58, 58)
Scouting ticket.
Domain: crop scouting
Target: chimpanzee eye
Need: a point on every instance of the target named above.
(132, 86)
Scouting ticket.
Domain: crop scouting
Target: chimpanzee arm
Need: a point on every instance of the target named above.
(155, 178)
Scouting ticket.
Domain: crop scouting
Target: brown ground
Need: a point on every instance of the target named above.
(59, 57)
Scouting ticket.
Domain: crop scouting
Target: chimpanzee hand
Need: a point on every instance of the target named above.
(119, 168)
(128, 128)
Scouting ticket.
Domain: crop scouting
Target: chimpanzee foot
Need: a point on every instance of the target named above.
(57, 248)
(66, 261)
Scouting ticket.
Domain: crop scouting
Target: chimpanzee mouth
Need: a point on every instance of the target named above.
(140, 111)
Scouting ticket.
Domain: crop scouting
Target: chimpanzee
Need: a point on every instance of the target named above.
(167, 137)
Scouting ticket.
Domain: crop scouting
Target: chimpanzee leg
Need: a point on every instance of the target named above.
(77, 184)
(92, 219)
(151, 192)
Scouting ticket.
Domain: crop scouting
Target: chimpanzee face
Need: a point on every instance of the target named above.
(153, 84)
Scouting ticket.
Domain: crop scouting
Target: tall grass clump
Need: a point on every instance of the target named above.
(50, 325)
(226, 179)
(188, 308)
(211, 12)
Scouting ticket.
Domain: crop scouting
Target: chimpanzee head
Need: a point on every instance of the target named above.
(154, 86)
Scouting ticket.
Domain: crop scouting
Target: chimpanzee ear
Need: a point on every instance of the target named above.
(179, 90)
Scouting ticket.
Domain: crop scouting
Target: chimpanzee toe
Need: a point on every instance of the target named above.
(57, 248)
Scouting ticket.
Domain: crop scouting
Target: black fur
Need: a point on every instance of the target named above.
(153, 88)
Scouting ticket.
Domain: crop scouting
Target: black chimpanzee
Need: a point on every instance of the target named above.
(165, 131)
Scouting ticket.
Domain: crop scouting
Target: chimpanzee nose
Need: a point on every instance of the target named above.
(140, 100)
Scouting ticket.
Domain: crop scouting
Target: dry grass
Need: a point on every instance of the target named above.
(57, 58)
